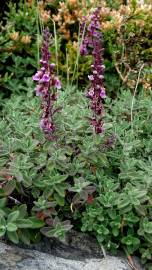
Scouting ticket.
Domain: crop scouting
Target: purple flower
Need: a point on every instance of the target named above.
(45, 78)
(57, 83)
(43, 68)
(38, 90)
(102, 93)
(46, 125)
(91, 78)
(83, 50)
(101, 76)
(41, 91)
(37, 76)
(43, 62)
(90, 93)
(52, 66)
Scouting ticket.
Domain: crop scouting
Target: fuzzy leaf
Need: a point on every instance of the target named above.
(24, 223)
(9, 187)
(36, 223)
(13, 236)
(11, 227)
(13, 216)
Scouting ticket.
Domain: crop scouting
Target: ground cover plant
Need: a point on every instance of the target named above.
(75, 154)
(96, 184)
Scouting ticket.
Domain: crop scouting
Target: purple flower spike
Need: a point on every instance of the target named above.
(92, 45)
(46, 84)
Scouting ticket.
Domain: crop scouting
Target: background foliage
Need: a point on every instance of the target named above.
(127, 41)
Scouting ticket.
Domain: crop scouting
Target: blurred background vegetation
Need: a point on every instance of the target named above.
(127, 35)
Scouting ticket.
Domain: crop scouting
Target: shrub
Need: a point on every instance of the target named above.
(80, 179)
(127, 35)
(120, 215)
(43, 177)
(18, 47)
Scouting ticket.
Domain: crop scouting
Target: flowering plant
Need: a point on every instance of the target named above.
(46, 82)
(92, 44)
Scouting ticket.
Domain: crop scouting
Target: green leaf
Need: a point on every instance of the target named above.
(130, 217)
(3, 202)
(36, 223)
(141, 210)
(60, 200)
(103, 160)
(60, 189)
(24, 223)
(23, 210)
(102, 230)
(9, 187)
(130, 240)
(2, 230)
(52, 180)
(147, 226)
(58, 231)
(24, 236)
(2, 193)
(115, 231)
(2, 221)
(123, 203)
(13, 216)
(13, 236)
(11, 227)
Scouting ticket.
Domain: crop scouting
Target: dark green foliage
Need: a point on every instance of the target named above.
(18, 48)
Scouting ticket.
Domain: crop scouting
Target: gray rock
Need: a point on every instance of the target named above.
(76, 245)
(15, 258)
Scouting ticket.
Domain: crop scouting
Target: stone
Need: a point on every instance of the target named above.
(78, 252)
(14, 258)
(76, 245)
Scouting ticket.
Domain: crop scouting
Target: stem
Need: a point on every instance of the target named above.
(78, 52)
(56, 47)
(67, 64)
(15, 200)
(134, 94)
(38, 34)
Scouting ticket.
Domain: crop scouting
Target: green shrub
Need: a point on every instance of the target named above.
(120, 215)
(127, 35)
(44, 177)
(18, 48)
(79, 179)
